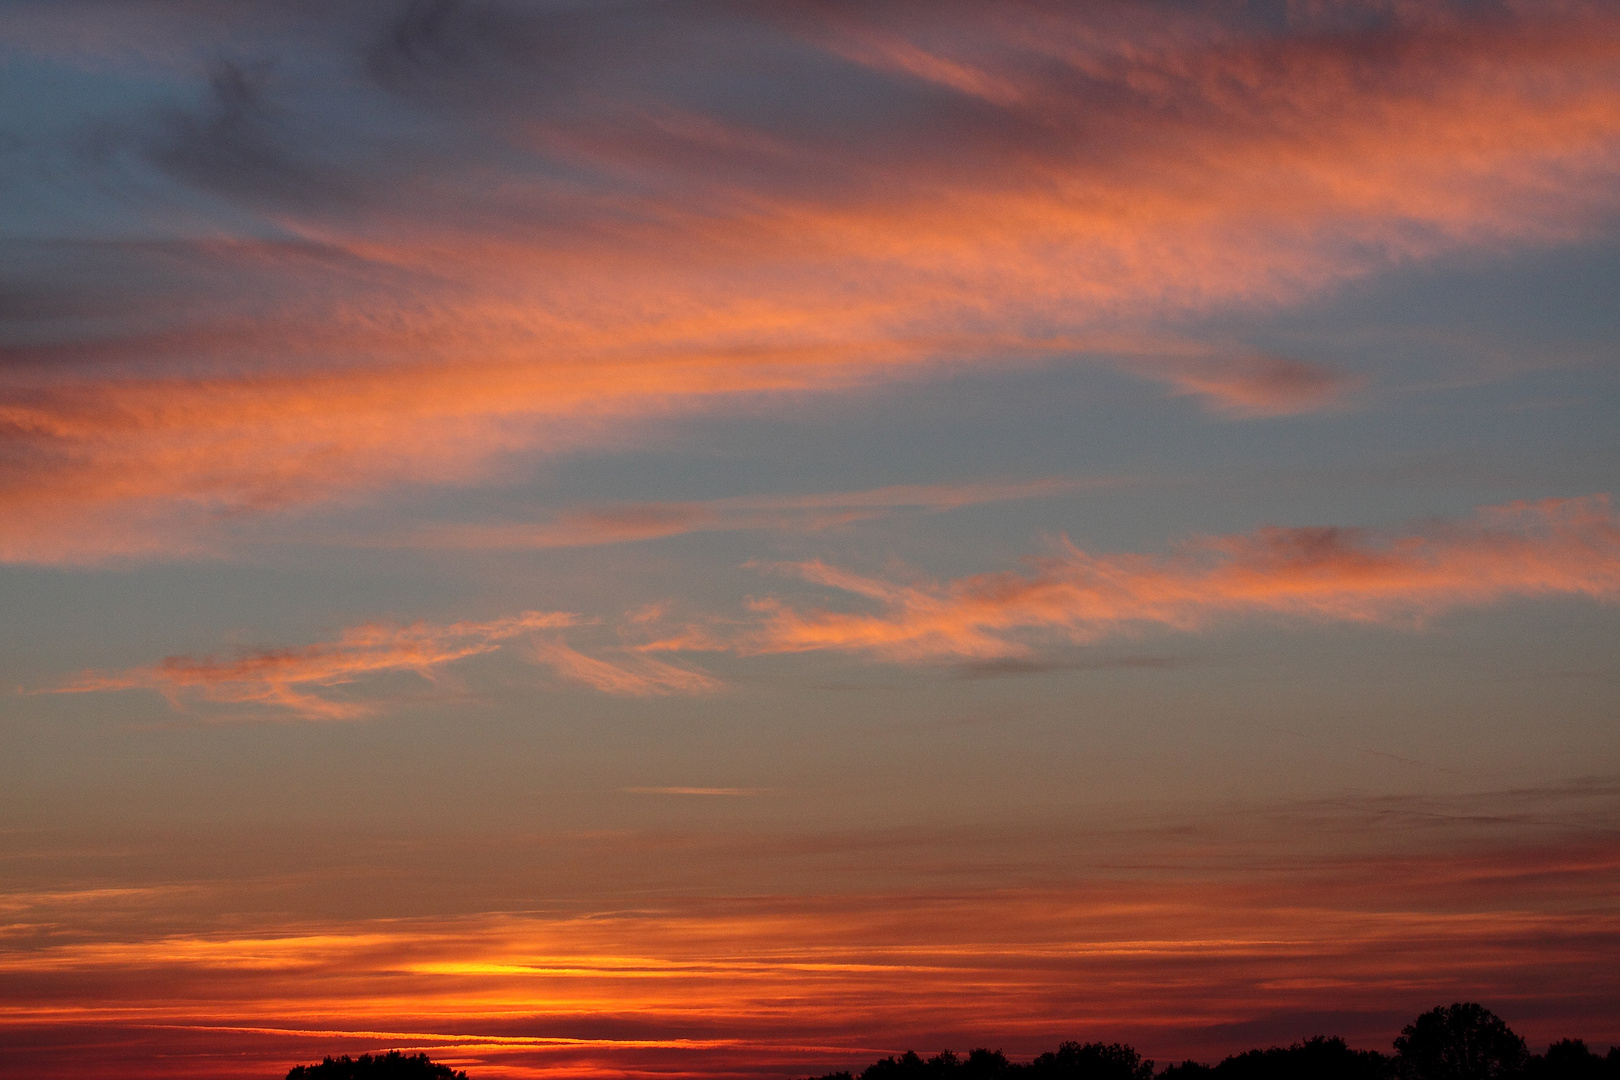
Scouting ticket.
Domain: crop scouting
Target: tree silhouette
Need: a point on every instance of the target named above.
(1463, 1041)
(982, 1064)
(1071, 1061)
(1091, 1061)
(908, 1066)
(390, 1066)
(1569, 1059)
(1320, 1057)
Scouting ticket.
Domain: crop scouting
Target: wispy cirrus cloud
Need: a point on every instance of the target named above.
(293, 680)
(635, 675)
(1552, 547)
(290, 678)
(526, 227)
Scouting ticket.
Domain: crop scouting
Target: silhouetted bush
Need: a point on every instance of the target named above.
(390, 1066)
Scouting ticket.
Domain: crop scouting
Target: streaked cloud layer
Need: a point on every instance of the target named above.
(380, 246)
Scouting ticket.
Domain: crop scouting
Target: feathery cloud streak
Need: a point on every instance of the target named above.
(276, 677)
(478, 230)
(637, 676)
(1552, 547)
(287, 678)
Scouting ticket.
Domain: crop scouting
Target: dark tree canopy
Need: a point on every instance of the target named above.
(909, 1066)
(982, 1064)
(1463, 1041)
(1091, 1061)
(1569, 1059)
(1320, 1058)
(1070, 1061)
(390, 1066)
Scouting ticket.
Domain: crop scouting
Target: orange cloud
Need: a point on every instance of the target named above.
(279, 677)
(1020, 182)
(1553, 547)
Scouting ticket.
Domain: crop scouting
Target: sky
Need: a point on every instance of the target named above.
(663, 538)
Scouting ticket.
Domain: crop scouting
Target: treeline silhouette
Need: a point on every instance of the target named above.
(1464, 1041)
(390, 1066)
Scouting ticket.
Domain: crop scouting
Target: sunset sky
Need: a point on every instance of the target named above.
(653, 538)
